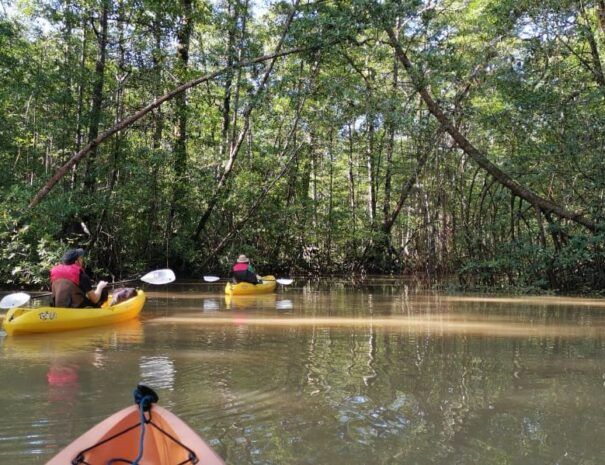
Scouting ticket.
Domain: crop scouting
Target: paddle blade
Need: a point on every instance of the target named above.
(14, 300)
(164, 276)
(285, 281)
(211, 279)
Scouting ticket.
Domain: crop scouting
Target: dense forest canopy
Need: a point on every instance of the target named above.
(366, 136)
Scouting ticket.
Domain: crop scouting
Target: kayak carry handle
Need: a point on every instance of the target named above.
(144, 397)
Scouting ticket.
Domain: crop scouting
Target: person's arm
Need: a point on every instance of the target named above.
(91, 294)
(95, 296)
(251, 269)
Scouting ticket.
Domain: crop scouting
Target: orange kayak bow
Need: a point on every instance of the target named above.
(141, 434)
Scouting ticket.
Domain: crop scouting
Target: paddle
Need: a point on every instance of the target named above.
(157, 277)
(284, 281)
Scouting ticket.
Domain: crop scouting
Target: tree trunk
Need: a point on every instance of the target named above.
(351, 175)
(601, 13)
(370, 169)
(80, 110)
(64, 143)
(594, 66)
(180, 147)
(314, 175)
(117, 143)
(330, 201)
(597, 67)
(237, 143)
(158, 126)
(81, 90)
(231, 58)
(406, 189)
(97, 93)
(127, 122)
(386, 207)
(290, 140)
(503, 178)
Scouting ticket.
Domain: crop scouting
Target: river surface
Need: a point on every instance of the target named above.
(325, 372)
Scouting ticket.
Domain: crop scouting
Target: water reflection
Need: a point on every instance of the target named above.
(250, 302)
(72, 343)
(284, 304)
(210, 305)
(372, 375)
(436, 324)
(45, 379)
(157, 371)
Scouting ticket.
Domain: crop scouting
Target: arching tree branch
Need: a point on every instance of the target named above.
(127, 122)
(500, 176)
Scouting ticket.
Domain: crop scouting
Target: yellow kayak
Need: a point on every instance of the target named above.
(51, 319)
(267, 286)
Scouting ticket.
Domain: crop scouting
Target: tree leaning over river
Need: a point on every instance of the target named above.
(326, 137)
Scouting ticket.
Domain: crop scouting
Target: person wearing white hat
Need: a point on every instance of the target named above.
(243, 271)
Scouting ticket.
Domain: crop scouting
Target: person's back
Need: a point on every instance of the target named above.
(66, 294)
(243, 271)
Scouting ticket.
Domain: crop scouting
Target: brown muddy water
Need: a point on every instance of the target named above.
(325, 373)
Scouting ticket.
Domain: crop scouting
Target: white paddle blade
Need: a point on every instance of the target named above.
(211, 279)
(164, 276)
(285, 281)
(17, 299)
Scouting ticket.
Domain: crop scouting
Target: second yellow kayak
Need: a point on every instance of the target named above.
(51, 319)
(267, 286)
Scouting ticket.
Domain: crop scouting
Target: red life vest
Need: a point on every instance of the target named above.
(240, 267)
(69, 272)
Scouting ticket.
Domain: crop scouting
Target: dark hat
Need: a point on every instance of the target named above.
(72, 255)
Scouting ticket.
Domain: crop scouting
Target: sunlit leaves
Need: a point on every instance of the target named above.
(519, 78)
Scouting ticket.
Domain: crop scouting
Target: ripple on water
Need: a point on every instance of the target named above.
(325, 383)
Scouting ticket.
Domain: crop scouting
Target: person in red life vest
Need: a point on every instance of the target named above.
(243, 271)
(71, 286)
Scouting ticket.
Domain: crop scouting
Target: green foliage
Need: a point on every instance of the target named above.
(577, 268)
(338, 123)
(25, 259)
